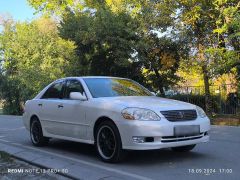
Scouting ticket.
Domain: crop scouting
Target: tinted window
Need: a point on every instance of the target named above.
(109, 87)
(55, 91)
(73, 86)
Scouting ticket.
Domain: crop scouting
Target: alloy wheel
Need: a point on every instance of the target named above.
(106, 142)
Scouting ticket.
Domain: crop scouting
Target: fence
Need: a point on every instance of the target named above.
(224, 99)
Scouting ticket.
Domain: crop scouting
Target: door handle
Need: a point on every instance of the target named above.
(60, 106)
(39, 104)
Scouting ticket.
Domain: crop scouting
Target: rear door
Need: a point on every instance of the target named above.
(50, 107)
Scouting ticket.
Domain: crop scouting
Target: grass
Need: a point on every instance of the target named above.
(226, 120)
(5, 157)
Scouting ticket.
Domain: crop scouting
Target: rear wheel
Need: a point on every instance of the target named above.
(183, 148)
(108, 142)
(36, 134)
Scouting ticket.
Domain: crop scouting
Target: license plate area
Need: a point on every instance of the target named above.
(186, 130)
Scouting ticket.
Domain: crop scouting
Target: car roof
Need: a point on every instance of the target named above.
(90, 77)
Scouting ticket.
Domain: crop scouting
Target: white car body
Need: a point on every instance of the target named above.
(77, 119)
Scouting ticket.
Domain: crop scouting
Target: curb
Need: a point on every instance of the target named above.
(77, 168)
(42, 167)
(33, 163)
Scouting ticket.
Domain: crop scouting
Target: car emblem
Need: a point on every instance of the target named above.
(181, 114)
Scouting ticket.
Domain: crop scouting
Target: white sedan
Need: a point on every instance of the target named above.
(115, 114)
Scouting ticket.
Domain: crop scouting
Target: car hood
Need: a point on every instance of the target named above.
(148, 102)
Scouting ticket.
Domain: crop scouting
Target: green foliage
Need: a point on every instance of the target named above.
(228, 31)
(190, 73)
(223, 60)
(59, 8)
(208, 21)
(32, 55)
(140, 39)
(214, 26)
(55, 6)
(122, 42)
(117, 36)
(106, 42)
(161, 57)
(10, 89)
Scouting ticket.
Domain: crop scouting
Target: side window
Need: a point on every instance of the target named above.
(73, 86)
(54, 91)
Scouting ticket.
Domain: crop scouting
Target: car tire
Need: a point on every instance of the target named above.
(108, 142)
(36, 134)
(183, 148)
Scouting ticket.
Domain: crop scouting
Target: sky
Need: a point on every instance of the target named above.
(20, 10)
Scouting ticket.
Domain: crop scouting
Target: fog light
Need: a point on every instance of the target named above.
(149, 139)
(138, 139)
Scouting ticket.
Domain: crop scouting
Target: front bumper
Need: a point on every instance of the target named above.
(161, 133)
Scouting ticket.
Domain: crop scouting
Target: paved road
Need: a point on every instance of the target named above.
(220, 155)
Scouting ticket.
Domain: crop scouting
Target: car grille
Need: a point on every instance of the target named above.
(180, 115)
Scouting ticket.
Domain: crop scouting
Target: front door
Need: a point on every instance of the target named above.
(73, 112)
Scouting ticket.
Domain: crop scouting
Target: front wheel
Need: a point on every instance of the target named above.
(108, 142)
(184, 148)
(36, 134)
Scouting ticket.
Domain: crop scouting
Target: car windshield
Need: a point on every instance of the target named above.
(110, 87)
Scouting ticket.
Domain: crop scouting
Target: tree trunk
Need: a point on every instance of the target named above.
(203, 62)
(207, 89)
(159, 84)
(238, 79)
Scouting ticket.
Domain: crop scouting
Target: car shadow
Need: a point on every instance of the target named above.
(160, 156)
(132, 157)
(73, 147)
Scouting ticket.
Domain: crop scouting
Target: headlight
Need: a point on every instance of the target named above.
(200, 112)
(140, 114)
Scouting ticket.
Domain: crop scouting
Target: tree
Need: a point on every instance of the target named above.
(198, 17)
(106, 42)
(55, 7)
(114, 34)
(59, 8)
(208, 22)
(161, 57)
(190, 73)
(228, 32)
(32, 55)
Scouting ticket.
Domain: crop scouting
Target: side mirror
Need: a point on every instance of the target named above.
(77, 96)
